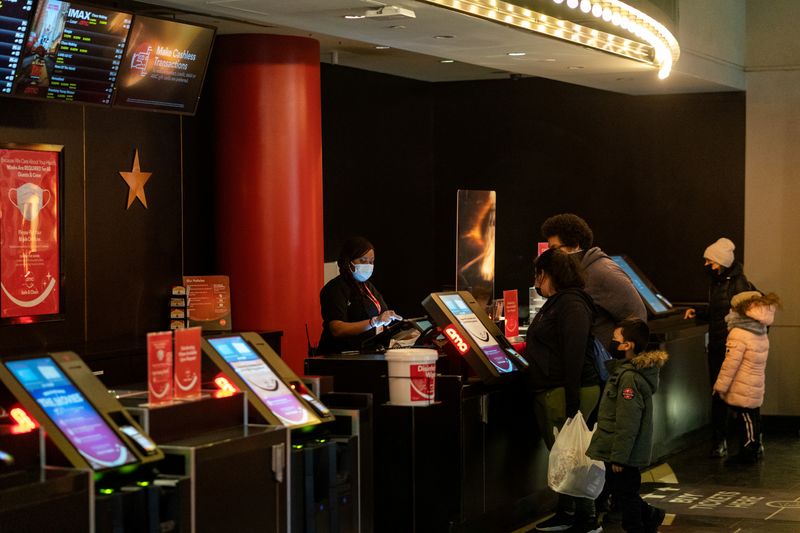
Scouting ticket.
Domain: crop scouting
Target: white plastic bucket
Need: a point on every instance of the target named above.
(412, 376)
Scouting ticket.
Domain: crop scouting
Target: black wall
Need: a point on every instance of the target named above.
(657, 177)
(119, 263)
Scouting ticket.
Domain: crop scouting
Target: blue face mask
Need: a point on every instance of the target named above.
(362, 272)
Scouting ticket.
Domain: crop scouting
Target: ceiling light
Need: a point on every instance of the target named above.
(354, 17)
(516, 54)
(444, 36)
(382, 47)
(575, 67)
(446, 61)
(661, 49)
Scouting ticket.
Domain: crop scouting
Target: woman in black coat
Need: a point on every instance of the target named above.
(562, 372)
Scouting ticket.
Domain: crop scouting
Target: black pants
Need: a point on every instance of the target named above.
(624, 488)
(719, 409)
(749, 421)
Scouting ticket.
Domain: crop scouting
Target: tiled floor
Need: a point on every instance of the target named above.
(701, 494)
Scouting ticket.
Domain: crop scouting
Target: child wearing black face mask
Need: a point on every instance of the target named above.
(624, 435)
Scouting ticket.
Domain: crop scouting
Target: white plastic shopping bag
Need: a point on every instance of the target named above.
(570, 471)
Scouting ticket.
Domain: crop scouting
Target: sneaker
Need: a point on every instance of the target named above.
(588, 525)
(560, 521)
(656, 519)
(720, 449)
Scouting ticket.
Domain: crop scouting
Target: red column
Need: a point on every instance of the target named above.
(269, 184)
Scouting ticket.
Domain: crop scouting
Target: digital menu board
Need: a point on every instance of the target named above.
(263, 381)
(71, 412)
(478, 332)
(164, 65)
(72, 53)
(15, 16)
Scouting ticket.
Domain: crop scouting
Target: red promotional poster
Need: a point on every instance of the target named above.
(29, 232)
(187, 363)
(542, 247)
(512, 313)
(159, 367)
(209, 302)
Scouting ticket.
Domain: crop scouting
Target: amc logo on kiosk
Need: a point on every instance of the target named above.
(455, 337)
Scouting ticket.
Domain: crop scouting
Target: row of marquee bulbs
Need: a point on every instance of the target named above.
(661, 50)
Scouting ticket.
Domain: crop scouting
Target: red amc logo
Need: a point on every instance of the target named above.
(455, 337)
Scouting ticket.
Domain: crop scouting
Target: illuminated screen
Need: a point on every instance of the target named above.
(73, 53)
(263, 381)
(71, 412)
(475, 329)
(164, 65)
(15, 16)
(652, 299)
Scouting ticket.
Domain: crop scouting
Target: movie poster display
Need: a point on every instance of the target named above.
(15, 16)
(73, 53)
(475, 227)
(164, 65)
(30, 258)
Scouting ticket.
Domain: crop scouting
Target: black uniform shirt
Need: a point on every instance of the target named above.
(348, 302)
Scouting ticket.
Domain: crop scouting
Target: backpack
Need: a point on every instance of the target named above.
(599, 355)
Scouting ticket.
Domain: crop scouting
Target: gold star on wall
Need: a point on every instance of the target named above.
(136, 180)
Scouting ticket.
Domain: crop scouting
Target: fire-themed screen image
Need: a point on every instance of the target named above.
(164, 66)
(475, 243)
(72, 53)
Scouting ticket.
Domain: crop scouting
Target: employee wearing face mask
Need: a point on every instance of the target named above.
(727, 279)
(353, 310)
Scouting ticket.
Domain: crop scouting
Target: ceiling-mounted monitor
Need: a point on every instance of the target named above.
(15, 18)
(72, 53)
(164, 65)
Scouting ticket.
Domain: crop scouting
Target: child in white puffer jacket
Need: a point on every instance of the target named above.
(741, 379)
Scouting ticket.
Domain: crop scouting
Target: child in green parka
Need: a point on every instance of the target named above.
(623, 439)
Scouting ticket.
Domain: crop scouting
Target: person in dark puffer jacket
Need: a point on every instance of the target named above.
(623, 439)
(727, 279)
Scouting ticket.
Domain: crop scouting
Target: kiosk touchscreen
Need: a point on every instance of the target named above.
(657, 305)
(473, 334)
(273, 389)
(84, 421)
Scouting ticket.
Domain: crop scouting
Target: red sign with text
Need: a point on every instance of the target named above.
(159, 367)
(541, 248)
(29, 247)
(187, 363)
(510, 300)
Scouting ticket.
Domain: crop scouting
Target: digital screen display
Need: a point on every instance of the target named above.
(73, 53)
(653, 299)
(478, 332)
(164, 65)
(15, 16)
(147, 445)
(71, 412)
(263, 381)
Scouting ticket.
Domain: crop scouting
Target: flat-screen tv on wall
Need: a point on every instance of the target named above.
(72, 53)
(164, 66)
(15, 17)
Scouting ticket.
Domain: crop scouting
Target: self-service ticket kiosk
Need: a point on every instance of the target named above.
(85, 422)
(473, 335)
(323, 469)
(273, 389)
(87, 428)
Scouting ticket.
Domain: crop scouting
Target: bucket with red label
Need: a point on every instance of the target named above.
(412, 376)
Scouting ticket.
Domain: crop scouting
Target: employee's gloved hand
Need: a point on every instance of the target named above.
(386, 318)
(690, 313)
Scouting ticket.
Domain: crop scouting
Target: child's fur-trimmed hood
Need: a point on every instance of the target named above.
(655, 358)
